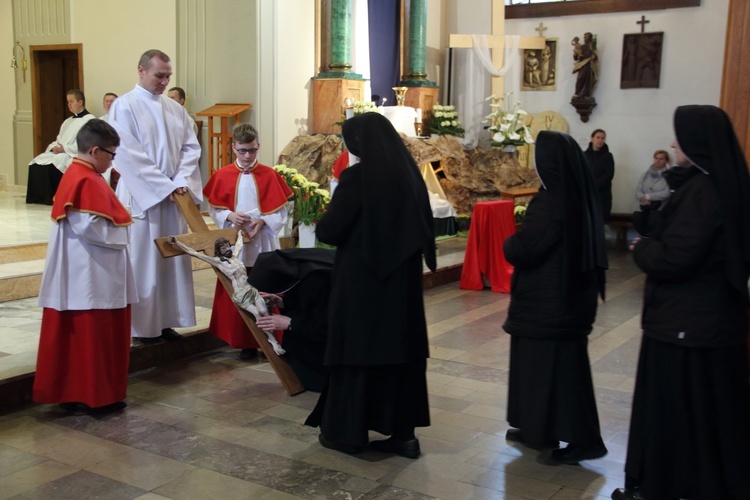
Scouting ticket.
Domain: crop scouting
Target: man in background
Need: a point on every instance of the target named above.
(45, 171)
(177, 94)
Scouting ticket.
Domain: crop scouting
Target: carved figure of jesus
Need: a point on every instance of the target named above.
(226, 260)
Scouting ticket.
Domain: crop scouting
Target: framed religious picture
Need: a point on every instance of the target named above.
(540, 67)
(641, 60)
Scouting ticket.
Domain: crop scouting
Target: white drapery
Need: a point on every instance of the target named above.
(360, 44)
(473, 86)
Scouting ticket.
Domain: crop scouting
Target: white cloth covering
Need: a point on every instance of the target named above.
(87, 265)
(67, 139)
(441, 207)
(158, 153)
(267, 238)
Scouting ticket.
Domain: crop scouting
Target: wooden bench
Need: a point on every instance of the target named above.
(620, 222)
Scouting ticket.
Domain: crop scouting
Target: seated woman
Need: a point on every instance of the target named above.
(652, 190)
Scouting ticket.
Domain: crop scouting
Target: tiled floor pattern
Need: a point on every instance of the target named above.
(217, 427)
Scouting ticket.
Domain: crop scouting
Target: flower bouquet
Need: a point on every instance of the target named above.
(444, 121)
(506, 125)
(519, 212)
(310, 203)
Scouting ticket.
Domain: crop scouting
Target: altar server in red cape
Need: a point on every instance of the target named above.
(87, 286)
(345, 159)
(245, 193)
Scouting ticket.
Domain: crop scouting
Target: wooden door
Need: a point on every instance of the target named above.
(735, 90)
(55, 69)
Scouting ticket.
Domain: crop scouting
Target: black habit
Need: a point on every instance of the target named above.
(602, 165)
(381, 223)
(690, 424)
(559, 261)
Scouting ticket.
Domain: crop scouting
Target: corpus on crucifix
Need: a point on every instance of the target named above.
(201, 239)
(226, 259)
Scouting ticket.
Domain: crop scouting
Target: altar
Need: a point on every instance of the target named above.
(402, 118)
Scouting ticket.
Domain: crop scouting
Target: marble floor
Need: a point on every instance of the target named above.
(217, 427)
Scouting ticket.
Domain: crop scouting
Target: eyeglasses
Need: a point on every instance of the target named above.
(110, 152)
(252, 151)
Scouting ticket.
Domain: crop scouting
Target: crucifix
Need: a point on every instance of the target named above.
(541, 29)
(496, 42)
(643, 23)
(202, 239)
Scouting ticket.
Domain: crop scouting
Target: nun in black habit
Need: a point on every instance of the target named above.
(559, 260)
(298, 282)
(381, 223)
(690, 423)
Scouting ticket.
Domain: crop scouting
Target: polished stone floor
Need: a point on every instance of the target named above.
(217, 427)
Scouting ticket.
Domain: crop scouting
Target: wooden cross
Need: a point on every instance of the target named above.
(496, 42)
(643, 23)
(202, 239)
(541, 29)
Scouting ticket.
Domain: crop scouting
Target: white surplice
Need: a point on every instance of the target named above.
(158, 153)
(67, 139)
(267, 238)
(96, 252)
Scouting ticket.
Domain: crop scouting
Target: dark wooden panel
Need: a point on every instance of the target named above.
(583, 7)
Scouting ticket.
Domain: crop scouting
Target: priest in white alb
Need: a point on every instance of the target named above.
(158, 156)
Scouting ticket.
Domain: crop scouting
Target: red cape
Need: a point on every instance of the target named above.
(84, 190)
(221, 188)
(340, 164)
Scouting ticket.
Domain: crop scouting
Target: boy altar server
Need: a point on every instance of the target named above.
(87, 286)
(245, 193)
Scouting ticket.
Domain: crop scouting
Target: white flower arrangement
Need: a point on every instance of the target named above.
(444, 121)
(361, 107)
(506, 126)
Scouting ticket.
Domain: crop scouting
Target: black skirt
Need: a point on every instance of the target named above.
(386, 399)
(690, 426)
(550, 391)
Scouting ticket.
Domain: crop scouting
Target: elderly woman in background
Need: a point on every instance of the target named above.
(560, 259)
(690, 424)
(652, 190)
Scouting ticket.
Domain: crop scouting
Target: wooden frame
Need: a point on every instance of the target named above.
(582, 7)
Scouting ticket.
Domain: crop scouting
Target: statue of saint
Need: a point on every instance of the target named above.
(586, 65)
(226, 260)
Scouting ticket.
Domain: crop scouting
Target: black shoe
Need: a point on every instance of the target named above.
(573, 453)
(248, 354)
(627, 494)
(516, 436)
(170, 335)
(408, 449)
(108, 408)
(148, 340)
(349, 449)
(79, 408)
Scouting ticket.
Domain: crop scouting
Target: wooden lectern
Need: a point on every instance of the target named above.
(219, 143)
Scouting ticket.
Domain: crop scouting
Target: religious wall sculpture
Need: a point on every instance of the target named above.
(586, 68)
(641, 60)
(540, 67)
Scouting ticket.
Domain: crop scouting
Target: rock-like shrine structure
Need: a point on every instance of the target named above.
(467, 177)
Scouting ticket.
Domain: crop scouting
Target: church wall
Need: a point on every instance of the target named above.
(114, 35)
(637, 121)
(7, 99)
(295, 42)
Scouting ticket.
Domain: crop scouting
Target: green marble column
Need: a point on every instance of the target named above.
(341, 27)
(417, 42)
